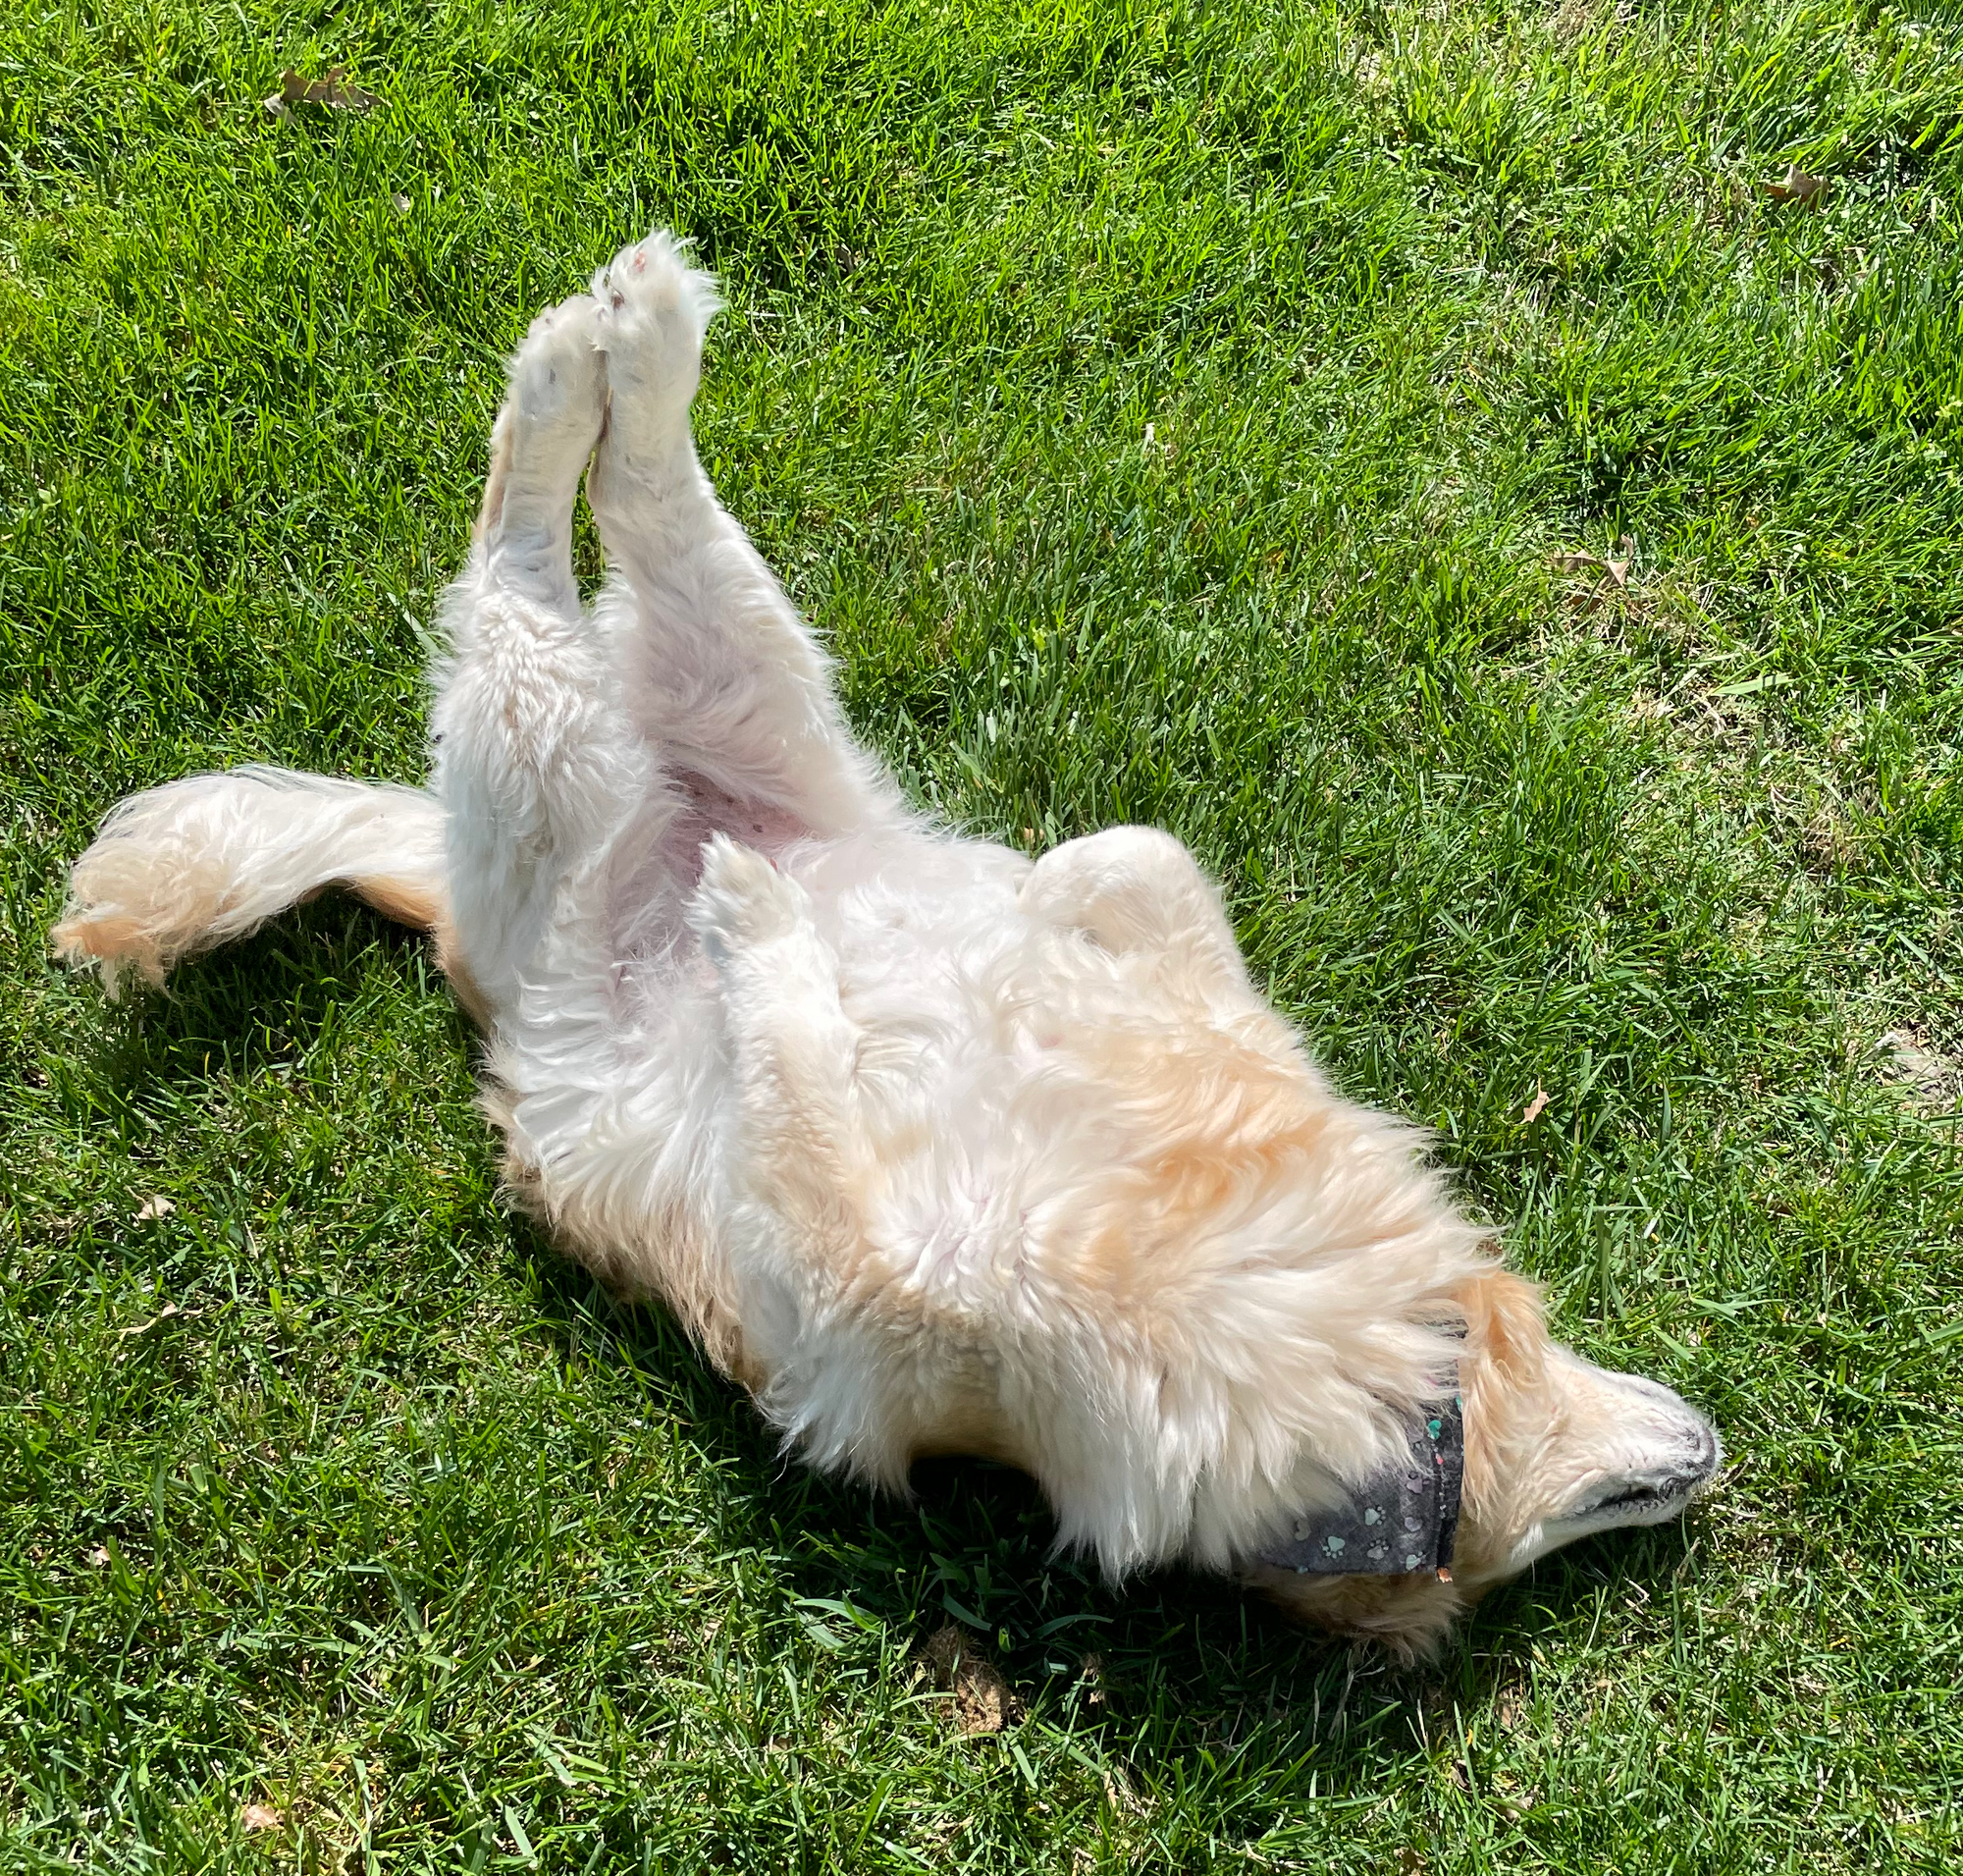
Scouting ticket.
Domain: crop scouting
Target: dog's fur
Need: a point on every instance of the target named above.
(938, 1149)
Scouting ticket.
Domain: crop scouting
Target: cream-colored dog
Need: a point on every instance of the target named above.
(938, 1149)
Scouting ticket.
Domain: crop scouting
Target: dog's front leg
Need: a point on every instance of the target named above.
(804, 1151)
(1137, 891)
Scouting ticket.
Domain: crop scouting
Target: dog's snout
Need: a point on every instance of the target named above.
(1700, 1456)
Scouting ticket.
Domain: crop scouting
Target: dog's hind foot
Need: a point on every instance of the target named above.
(551, 418)
(653, 310)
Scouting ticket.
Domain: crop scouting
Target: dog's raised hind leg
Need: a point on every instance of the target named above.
(534, 763)
(720, 673)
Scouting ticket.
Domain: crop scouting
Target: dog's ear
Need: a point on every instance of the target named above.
(1503, 1381)
(1505, 1323)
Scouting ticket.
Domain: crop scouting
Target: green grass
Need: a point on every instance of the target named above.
(1171, 414)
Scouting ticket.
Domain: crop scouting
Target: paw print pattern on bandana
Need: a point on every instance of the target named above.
(1419, 1500)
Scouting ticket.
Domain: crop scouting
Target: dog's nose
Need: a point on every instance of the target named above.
(1699, 1460)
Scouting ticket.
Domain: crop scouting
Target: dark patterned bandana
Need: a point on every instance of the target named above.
(1403, 1520)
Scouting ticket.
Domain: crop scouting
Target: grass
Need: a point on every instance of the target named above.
(1171, 412)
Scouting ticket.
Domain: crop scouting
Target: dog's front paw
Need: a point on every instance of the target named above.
(742, 901)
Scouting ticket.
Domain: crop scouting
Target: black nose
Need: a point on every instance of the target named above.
(1699, 1458)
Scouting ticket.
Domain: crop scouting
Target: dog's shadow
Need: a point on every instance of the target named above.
(1169, 1669)
(260, 1005)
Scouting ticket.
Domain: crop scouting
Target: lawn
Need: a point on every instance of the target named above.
(1408, 450)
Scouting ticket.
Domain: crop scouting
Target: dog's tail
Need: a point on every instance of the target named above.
(197, 862)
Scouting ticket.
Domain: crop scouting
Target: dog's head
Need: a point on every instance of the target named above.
(1555, 1449)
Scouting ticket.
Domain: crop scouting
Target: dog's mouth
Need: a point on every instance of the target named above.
(1660, 1455)
(1645, 1501)
(1635, 1499)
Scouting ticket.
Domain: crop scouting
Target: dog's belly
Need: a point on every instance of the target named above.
(708, 810)
(657, 865)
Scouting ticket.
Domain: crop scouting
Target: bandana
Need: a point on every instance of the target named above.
(1403, 1520)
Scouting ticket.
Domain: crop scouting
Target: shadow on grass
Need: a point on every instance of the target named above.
(1185, 1665)
(1169, 1671)
(257, 1007)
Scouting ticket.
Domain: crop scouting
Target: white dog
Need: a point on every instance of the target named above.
(938, 1149)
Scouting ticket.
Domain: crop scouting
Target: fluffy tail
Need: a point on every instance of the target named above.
(200, 861)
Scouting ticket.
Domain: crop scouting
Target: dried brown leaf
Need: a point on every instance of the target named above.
(1535, 1109)
(332, 92)
(1616, 566)
(983, 1700)
(1117, 1794)
(1795, 186)
(1913, 1063)
(1091, 1674)
(162, 1315)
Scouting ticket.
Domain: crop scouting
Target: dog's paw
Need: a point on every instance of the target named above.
(554, 404)
(653, 309)
(742, 901)
(558, 383)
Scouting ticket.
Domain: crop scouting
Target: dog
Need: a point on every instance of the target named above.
(935, 1148)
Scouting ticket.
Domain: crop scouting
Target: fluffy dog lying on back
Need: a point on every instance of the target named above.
(937, 1148)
